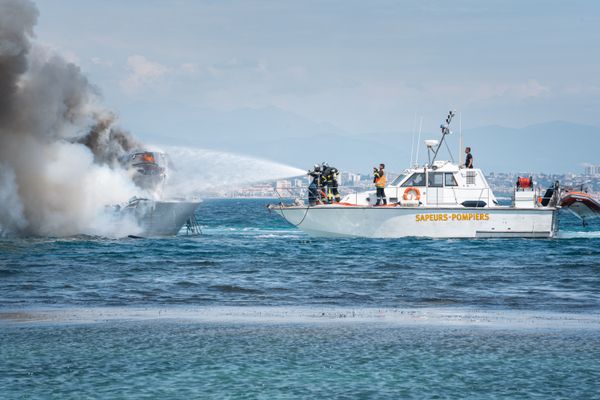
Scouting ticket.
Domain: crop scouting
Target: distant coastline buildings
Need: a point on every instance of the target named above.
(592, 169)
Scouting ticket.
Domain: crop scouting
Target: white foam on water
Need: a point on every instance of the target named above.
(450, 317)
(251, 231)
(578, 235)
(196, 171)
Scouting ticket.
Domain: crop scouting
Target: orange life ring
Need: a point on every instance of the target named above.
(412, 189)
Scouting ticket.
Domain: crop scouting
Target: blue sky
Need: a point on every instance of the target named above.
(205, 70)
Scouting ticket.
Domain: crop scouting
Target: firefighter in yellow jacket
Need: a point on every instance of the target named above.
(380, 180)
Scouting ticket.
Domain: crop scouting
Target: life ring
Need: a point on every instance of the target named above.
(414, 190)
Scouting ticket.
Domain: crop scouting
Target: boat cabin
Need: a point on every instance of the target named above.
(446, 184)
(442, 184)
(148, 169)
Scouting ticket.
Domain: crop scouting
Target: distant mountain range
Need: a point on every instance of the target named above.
(274, 134)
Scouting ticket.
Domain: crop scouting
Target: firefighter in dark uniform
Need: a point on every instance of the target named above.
(380, 180)
(315, 187)
(330, 183)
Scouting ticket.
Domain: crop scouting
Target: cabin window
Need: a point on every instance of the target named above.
(436, 179)
(470, 177)
(450, 179)
(417, 179)
(398, 179)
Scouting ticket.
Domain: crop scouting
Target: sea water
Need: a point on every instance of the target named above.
(254, 308)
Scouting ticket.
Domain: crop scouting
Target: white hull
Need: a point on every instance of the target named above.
(160, 218)
(395, 222)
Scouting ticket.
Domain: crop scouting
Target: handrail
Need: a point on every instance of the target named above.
(454, 193)
(397, 192)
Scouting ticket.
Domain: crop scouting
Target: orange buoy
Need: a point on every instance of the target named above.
(409, 190)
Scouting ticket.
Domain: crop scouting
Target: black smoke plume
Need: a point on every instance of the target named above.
(59, 149)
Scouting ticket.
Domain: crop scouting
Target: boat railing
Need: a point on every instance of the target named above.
(440, 199)
(283, 192)
(395, 194)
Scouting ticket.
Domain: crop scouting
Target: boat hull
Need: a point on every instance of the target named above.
(582, 205)
(394, 222)
(160, 218)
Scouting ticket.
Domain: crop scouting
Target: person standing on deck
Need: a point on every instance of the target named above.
(315, 187)
(469, 158)
(330, 177)
(380, 180)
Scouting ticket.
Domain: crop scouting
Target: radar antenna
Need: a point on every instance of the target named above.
(445, 131)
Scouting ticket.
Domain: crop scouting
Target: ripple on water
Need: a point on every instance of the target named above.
(235, 289)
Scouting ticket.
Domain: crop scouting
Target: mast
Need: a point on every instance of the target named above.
(460, 141)
(445, 131)
(412, 144)
(418, 141)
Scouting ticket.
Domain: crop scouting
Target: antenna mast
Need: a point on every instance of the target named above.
(412, 144)
(418, 141)
(460, 142)
(445, 131)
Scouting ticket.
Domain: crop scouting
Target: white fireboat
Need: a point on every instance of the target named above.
(440, 199)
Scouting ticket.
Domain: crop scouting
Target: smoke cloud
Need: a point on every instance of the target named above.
(59, 149)
(61, 152)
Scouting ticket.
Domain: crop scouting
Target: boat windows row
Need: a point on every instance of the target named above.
(436, 179)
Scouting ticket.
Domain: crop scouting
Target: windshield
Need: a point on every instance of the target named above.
(417, 179)
(398, 179)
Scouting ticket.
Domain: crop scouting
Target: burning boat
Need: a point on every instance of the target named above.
(154, 215)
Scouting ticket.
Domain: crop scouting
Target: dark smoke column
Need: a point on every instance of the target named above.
(17, 19)
(59, 149)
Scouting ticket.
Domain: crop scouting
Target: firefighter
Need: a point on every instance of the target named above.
(380, 180)
(330, 179)
(314, 189)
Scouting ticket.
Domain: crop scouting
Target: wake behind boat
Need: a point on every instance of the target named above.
(440, 199)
